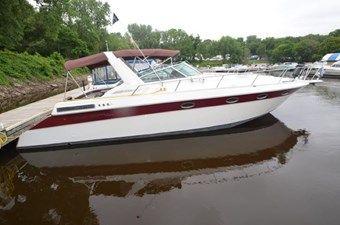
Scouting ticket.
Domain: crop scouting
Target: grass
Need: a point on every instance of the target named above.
(22, 67)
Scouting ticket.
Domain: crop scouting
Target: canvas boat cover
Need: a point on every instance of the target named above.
(331, 57)
(100, 59)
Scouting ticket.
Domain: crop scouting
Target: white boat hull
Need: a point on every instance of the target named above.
(155, 124)
(332, 72)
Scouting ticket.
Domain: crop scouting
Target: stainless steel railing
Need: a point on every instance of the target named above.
(218, 82)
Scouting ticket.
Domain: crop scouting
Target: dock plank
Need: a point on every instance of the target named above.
(18, 120)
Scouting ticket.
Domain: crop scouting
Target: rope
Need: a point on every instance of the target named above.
(3, 139)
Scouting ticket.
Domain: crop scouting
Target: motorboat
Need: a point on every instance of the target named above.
(285, 66)
(332, 70)
(219, 69)
(238, 68)
(164, 100)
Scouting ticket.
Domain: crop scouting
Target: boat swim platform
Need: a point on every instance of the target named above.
(14, 122)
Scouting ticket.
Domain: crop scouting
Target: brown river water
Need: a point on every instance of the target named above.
(283, 168)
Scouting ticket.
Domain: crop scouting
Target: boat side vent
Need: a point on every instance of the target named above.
(78, 107)
(187, 105)
(262, 96)
(232, 100)
(285, 93)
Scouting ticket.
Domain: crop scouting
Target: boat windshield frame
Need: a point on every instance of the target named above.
(169, 72)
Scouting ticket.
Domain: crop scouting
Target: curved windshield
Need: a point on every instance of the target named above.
(104, 75)
(186, 69)
(168, 72)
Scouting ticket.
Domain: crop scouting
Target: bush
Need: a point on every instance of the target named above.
(23, 66)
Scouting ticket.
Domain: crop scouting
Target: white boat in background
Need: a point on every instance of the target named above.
(284, 66)
(332, 70)
(238, 68)
(219, 69)
(158, 101)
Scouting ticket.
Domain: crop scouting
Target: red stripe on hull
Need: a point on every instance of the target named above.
(53, 121)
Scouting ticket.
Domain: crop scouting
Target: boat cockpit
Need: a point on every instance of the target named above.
(148, 65)
(142, 62)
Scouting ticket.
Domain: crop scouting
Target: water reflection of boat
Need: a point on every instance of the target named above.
(176, 158)
(329, 90)
(60, 185)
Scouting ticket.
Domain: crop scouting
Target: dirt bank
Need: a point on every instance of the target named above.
(20, 94)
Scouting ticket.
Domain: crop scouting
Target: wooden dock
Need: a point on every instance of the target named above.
(14, 122)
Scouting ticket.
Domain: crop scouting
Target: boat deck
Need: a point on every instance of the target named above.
(14, 122)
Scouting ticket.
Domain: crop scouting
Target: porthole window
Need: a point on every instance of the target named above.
(262, 96)
(232, 100)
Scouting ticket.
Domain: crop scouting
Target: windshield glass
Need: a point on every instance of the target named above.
(168, 72)
(104, 75)
(186, 69)
(139, 65)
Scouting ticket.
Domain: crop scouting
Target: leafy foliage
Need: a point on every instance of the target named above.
(24, 66)
(72, 27)
(230, 46)
(116, 41)
(330, 44)
(179, 39)
(283, 52)
(12, 22)
(144, 35)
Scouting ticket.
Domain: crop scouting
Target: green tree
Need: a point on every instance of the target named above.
(229, 46)
(269, 44)
(179, 39)
(253, 43)
(14, 15)
(306, 50)
(44, 25)
(283, 52)
(144, 35)
(116, 41)
(89, 18)
(335, 33)
(69, 44)
(207, 49)
(73, 27)
(330, 44)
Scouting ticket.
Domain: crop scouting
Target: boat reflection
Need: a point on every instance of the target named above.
(58, 184)
(330, 90)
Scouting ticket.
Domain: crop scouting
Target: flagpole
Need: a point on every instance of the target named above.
(107, 46)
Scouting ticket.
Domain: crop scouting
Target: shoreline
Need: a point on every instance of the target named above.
(20, 94)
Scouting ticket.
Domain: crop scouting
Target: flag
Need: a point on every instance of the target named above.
(114, 19)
